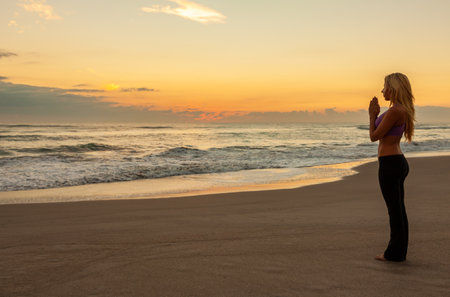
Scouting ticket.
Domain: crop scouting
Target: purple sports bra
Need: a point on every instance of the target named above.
(395, 130)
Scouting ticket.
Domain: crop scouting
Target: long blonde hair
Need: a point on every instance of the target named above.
(400, 92)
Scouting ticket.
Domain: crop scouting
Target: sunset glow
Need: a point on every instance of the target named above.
(222, 58)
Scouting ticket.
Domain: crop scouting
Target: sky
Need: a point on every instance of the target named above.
(212, 60)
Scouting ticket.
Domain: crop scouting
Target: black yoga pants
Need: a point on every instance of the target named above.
(392, 172)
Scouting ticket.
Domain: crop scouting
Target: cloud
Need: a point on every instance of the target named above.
(424, 114)
(83, 90)
(137, 90)
(3, 77)
(302, 116)
(189, 10)
(44, 11)
(80, 88)
(12, 23)
(26, 103)
(5, 54)
(432, 114)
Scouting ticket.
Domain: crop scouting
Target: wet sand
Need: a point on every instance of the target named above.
(317, 240)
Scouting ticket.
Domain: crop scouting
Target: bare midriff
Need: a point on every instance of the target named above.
(389, 145)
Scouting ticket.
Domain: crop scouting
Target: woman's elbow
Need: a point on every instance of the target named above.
(373, 138)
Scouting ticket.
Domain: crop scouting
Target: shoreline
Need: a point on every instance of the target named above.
(317, 240)
(193, 185)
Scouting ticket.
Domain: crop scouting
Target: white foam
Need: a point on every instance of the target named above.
(187, 185)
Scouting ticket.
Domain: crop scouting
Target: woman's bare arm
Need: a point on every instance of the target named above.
(374, 110)
(389, 120)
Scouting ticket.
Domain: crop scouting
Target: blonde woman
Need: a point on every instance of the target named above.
(389, 128)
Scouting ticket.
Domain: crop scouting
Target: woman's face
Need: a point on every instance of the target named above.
(385, 92)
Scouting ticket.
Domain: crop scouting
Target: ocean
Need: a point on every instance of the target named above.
(202, 155)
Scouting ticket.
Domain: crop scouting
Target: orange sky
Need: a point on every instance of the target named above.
(228, 56)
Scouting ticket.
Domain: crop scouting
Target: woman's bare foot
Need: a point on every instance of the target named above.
(380, 257)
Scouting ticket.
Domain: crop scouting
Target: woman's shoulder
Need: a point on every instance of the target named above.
(397, 108)
(398, 111)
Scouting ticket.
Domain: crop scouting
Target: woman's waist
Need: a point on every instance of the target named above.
(389, 149)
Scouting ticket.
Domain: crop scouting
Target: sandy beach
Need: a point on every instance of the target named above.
(317, 240)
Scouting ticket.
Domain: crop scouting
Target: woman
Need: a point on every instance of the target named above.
(389, 128)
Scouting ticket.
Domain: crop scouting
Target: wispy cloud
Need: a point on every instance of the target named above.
(5, 54)
(3, 77)
(110, 87)
(83, 90)
(12, 23)
(40, 7)
(189, 10)
(19, 103)
(137, 90)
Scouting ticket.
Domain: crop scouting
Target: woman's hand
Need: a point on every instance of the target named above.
(374, 108)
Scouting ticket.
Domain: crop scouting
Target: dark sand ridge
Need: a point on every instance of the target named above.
(313, 241)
